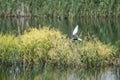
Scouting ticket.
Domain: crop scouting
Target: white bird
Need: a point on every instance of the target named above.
(74, 35)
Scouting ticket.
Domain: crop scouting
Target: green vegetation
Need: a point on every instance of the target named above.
(117, 55)
(45, 45)
(50, 8)
(117, 44)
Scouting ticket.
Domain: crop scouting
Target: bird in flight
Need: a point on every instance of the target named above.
(75, 34)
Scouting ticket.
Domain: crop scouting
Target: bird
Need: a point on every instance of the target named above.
(61, 18)
(75, 34)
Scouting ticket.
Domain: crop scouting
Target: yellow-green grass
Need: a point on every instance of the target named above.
(44, 45)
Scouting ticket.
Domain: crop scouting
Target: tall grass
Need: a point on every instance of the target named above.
(44, 45)
(50, 8)
(117, 55)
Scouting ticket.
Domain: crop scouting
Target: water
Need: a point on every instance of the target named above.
(106, 30)
(52, 73)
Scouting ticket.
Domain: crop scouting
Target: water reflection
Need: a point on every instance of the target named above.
(50, 73)
(107, 30)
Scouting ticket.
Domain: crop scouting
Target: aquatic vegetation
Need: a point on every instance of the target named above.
(45, 45)
(8, 48)
(116, 60)
(67, 8)
(117, 45)
(96, 53)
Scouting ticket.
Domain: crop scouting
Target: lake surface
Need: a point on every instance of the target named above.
(106, 30)
(52, 73)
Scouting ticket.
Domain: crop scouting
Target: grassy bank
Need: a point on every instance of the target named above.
(44, 45)
(50, 8)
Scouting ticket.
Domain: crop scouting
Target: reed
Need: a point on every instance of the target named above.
(45, 45)
(50, 8)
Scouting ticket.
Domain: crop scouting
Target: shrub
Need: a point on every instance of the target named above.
(50, 46)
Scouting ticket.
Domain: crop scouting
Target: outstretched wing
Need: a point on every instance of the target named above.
(79, 39)
(75, 30)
